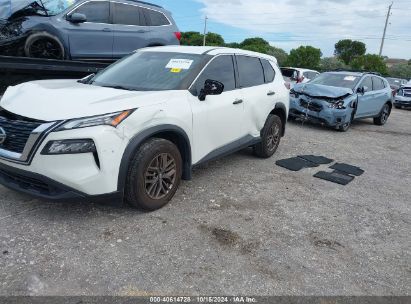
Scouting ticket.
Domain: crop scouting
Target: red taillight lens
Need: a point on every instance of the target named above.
(178, 35)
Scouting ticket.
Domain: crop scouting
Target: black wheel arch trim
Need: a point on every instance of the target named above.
(279, 106)
(143, 136)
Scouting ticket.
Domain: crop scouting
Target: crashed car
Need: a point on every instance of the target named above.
(83, 29)
(335, 99)
(403, 97)
(396, 84)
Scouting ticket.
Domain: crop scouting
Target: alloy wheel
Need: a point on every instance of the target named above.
(45, 48)
(273, 137)
(385, 114)
(160, 176)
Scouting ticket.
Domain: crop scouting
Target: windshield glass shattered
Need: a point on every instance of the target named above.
(55, 7)
(337, 80)
(9, 8)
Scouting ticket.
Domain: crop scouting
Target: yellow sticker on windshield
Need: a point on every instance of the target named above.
(175, 70)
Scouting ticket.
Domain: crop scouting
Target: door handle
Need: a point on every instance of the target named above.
(271, 93)
(141, 31)
(106, 29)
(238, 101)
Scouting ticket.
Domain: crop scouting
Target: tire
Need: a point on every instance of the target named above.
(270, 137)
(383, 117)
(346, 126)
(146, 187)
(43, 45)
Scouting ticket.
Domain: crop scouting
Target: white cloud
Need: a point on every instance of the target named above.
(321, 23)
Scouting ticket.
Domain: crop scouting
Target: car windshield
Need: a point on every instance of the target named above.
(394, 81)
(55, 7)
(150, 71)
(337, 80)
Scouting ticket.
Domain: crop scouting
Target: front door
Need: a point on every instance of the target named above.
(218, 120)
(92, 39)
(366, 100)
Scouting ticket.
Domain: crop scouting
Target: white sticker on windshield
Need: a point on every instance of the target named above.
(182, 64)
(350, 78)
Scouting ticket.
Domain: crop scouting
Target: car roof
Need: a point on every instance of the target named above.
(206, 50)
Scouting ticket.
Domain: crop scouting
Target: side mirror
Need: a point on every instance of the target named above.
(77, 18)
(211, 87)
(362, 90)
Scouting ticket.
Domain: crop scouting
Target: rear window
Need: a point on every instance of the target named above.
(269, 73)
(337, 80)
(156, 18)
(288, 72)
(251, 71)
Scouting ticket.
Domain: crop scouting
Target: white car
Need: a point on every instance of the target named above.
(134, 130)
(292, 76)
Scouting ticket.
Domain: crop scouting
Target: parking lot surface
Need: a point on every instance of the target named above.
(241, 226)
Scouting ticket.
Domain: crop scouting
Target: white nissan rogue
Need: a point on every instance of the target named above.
(135, 129)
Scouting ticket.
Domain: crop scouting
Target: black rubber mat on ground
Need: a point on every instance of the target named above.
(348, 169)
(295, 164)
(336, 177)
(319, 160)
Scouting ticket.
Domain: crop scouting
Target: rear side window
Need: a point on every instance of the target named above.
(269, 73)
(220, 69)
(96, 11)
(127, 14)
(367, 83)
(156, 18)
(378, 84)
(251, 71)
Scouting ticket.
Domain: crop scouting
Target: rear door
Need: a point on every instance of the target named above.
(257, 94)
(366, 100)
(92, 39)
(131, 31)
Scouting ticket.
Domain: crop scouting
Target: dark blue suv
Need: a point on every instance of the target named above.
(83, 29)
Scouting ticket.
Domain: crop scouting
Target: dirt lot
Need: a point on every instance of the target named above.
(241, 226)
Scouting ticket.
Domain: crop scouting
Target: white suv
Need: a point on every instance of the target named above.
(135, 129)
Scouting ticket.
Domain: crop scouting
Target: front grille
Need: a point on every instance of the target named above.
(17, 129)
(312, 106)
(407, 93)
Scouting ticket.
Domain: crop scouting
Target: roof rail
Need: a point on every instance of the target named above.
(146, 3)
(357, 71)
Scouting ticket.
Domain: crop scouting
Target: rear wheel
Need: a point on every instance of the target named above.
(154, 175)
(43, 45)
(382, 119)
(270, 137)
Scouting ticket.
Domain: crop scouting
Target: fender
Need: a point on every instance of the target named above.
(140, 138)
(281, 108)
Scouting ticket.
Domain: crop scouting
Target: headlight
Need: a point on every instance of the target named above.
(69, 146)
(113, 120)
(338, 105)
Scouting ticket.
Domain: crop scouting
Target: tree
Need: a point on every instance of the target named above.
(348, 50)
(401, 70)
(332, 64)
(305, 57)
(278, 53)
(370, 62)
(197, 39)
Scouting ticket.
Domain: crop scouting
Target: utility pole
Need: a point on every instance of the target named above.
(205, 31)
(385, 28)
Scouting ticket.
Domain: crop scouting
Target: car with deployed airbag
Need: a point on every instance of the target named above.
(83, 29)
(135, 129)
(335, 99)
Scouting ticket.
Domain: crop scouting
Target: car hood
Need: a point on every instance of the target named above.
(318, 90)
(54, 100)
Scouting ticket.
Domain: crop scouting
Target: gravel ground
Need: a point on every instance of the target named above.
(241, 226)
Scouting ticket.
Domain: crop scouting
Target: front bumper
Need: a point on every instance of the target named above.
(319, 112)
(66, 176)
(402, 101)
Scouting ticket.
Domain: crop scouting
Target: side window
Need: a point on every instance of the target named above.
(156, 18)
(367, 83)
(127, 14)
(220, 69)
(96, 11)
(269, 73)
(378, 84)
(251, 71)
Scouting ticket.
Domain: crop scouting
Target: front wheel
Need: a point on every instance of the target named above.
(382, 119)
(270, 137)
(45, 46)
(154, 175)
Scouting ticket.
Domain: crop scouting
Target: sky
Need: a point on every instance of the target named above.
(291, 23)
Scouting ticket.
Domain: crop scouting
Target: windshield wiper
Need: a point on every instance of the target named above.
(118, 87)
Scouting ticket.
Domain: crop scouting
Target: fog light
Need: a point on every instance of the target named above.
(69, 146)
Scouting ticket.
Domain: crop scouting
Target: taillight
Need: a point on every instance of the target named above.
(178, 35)
(287, 85)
